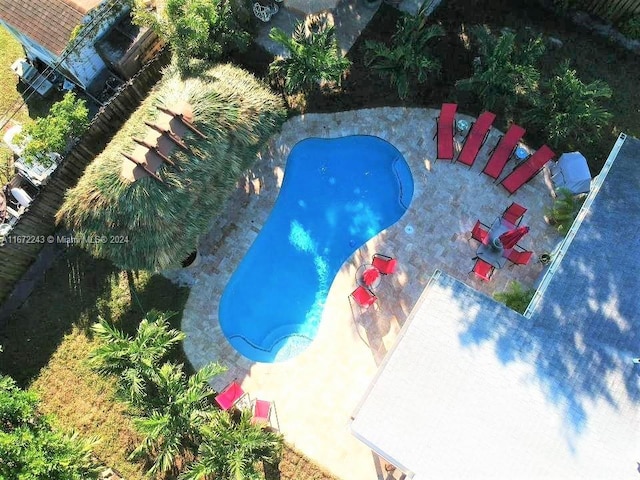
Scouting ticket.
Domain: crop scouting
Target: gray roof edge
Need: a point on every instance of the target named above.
(562, 248)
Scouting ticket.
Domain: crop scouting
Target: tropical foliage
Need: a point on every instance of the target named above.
(159, 221)
(570, 112)
(631, 27)
(172, 419)
(313, 56)
(515, 297)
(408, 59)
(31, 449)
(564, 210)
(174, 412)
(232, 447)
(200, 29)
(136, 360)
(67, 119)
(506, 71)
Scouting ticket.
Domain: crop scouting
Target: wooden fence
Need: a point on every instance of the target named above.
(36, 226)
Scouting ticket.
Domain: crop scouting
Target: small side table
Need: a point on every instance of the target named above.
(520, 155)
(462, 127)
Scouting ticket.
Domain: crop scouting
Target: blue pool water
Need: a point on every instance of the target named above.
(336, 195)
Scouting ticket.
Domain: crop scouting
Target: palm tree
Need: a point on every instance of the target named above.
(313, 57)
(175, 415)
(568, 111)
(506, 71)
(408, 57)
(231, 449)
(564, 210)
(135, 359)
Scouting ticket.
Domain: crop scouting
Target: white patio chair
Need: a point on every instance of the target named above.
(265, 13)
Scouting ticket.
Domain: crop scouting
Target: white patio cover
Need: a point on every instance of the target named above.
(572, 172)
(442, 407)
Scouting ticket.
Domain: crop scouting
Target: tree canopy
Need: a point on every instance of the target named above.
(152, 225)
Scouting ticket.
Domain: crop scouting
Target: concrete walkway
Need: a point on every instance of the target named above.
(317, 392)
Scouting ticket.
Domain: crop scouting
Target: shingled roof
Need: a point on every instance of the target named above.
(47, 22)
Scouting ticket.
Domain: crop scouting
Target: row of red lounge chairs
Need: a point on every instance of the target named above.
(499, 155)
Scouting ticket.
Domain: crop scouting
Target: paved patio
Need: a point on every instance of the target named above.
(317, 392)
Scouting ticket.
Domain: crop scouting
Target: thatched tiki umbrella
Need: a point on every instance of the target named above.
(167, 172)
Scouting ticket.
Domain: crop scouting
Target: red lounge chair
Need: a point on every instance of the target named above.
(445, 130)
(479, 233)
(261, 412)
(230, 395)
(476, 138)
(502, 151)
(363, 297)
(513, 214)
(527, 170)
(384, 263)
(483, 270)
(519, 257)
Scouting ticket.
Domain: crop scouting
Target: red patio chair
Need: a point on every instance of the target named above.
(230, 396)
(363, 297)
(527, 170)
(483, 270)
(263, 411)
(479, 233)
(513, 214)
(518, 256)
(476, 138)
(445, 130)
(384, 263)
(502, 151)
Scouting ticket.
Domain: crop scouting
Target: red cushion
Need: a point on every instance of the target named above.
(230, 396)
(363, 297)
(261, 411)
(385, 265)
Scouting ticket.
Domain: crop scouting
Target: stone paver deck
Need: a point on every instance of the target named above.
(316, 393)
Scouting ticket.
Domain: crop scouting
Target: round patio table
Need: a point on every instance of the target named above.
(366, 270)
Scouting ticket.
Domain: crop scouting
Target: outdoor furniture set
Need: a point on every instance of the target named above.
(368, 278)
(506, 148)
(233, 396)
(498, 243)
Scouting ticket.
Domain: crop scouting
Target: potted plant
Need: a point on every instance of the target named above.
(564, 210)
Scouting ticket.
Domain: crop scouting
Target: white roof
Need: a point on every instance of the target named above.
(450, 402)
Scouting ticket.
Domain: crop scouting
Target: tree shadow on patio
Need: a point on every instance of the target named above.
(581, 348)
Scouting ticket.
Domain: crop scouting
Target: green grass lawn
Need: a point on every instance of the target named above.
(47, 342)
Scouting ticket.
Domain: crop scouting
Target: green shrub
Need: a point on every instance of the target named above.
(313, 57)
(67, 119)
(195, 29)
(631, 28)
(568, 111)
(30, 448)
(506, 72)
(408, 59)
(515, 297)
(564, 210)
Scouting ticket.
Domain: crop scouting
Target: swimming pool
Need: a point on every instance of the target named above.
(336, 195)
